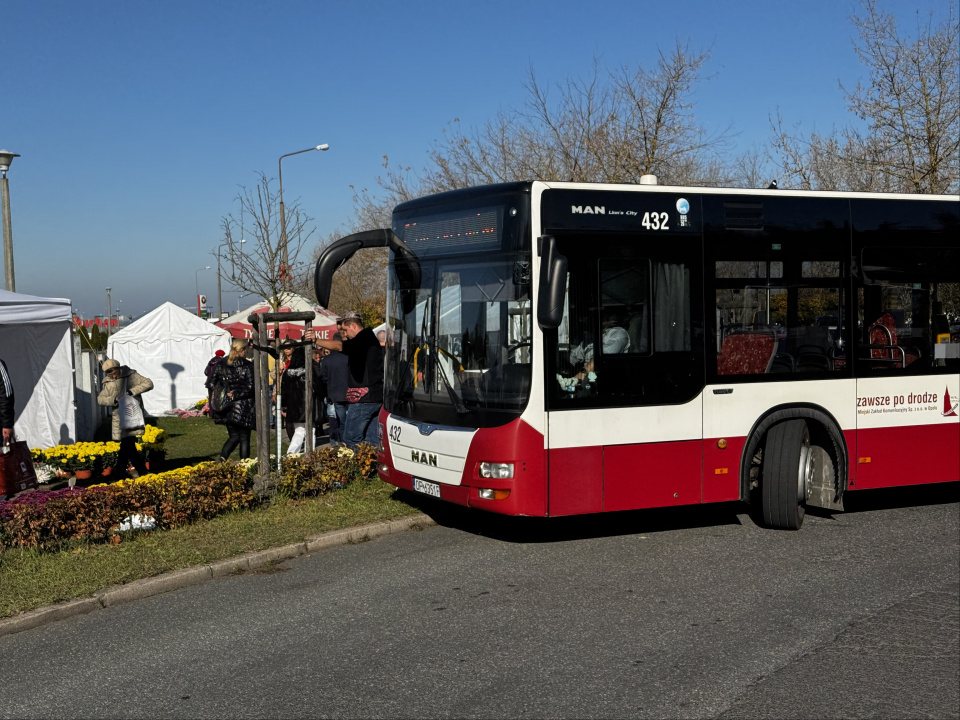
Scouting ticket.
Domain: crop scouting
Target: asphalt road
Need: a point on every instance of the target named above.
(680, 613)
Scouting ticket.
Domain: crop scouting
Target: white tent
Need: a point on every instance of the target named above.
(35, 344)
(171, 347)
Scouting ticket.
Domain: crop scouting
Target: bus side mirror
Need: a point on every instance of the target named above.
(407, 267)
(553, 284)
(337, 253)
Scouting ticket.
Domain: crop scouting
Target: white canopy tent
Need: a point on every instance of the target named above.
(172, 347)
(35, 344)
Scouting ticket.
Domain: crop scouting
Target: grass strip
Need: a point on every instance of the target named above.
(30, 579)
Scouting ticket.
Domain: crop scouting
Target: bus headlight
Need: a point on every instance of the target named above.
(491, 494)
(499, 471)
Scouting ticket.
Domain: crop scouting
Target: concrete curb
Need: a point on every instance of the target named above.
(186, 577)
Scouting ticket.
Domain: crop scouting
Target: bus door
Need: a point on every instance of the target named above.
(625, 374)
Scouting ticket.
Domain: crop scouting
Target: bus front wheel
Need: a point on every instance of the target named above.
(786, 474)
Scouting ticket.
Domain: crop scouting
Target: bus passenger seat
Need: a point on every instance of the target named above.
(746, 354)
(884, 346)
(637, 331)
(813, 358)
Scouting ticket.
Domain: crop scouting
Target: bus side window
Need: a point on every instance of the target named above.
(904, 309)
(797, 303)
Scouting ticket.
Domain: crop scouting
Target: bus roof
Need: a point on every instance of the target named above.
(529, 186)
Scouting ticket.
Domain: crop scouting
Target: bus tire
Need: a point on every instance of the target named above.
(785, 474)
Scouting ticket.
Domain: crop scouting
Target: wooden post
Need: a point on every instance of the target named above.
(263, 403)
(278, 400)
(255, 359)
(261, 389)
(308, 392)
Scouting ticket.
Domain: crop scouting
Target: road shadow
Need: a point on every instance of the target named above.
(901, 497)
(579, 527)
(655, 520)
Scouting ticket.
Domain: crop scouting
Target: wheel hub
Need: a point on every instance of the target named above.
(805, 472)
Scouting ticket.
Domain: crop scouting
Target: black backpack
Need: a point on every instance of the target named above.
(219, 400)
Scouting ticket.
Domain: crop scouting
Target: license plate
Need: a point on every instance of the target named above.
(426, 487)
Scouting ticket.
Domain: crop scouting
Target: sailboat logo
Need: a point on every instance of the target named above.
(949, 408)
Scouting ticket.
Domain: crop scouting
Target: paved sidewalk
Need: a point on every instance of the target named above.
(192, 576)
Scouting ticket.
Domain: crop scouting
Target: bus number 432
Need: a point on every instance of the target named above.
(655, 221)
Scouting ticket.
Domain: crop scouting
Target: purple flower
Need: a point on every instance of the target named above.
(36, 498)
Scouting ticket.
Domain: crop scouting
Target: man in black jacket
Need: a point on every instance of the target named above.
(365, 385)
(6, 404)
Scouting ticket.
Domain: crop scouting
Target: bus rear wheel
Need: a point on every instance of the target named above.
(786, 474)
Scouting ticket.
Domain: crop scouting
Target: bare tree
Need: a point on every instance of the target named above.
(257, 263)
(911, 107)
(606, 127)
(358, 285)
(609, 126)
(751, 169)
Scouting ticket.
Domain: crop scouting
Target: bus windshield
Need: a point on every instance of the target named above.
(461, 355)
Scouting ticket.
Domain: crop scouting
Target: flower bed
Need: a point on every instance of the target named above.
(96, 456)
(48, 520)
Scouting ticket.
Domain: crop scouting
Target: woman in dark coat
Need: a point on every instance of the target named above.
(240, 416)
(293, 404)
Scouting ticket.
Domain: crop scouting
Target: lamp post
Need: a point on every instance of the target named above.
(219, 293)
(283, 215)
(109, 312)
(6, 157)
(196, 280)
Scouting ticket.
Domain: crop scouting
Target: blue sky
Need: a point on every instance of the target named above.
(137, 122)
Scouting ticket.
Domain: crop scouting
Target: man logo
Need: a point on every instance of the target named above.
(423, 458)
(588, 210)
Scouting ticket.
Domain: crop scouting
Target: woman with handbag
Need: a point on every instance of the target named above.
(240, 417)
(122, 388)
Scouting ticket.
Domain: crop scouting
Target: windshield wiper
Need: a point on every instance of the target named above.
(405, 380)
(454, 397)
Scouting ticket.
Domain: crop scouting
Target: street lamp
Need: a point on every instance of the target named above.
(196, 280)
(219, 293)
(109, 312)
(6, 157)
(283, 214)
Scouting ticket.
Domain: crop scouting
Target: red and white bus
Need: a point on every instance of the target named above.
(567, 348)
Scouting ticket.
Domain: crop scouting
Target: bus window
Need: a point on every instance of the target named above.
(904, 308)
(625, 307)
(788, 326)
